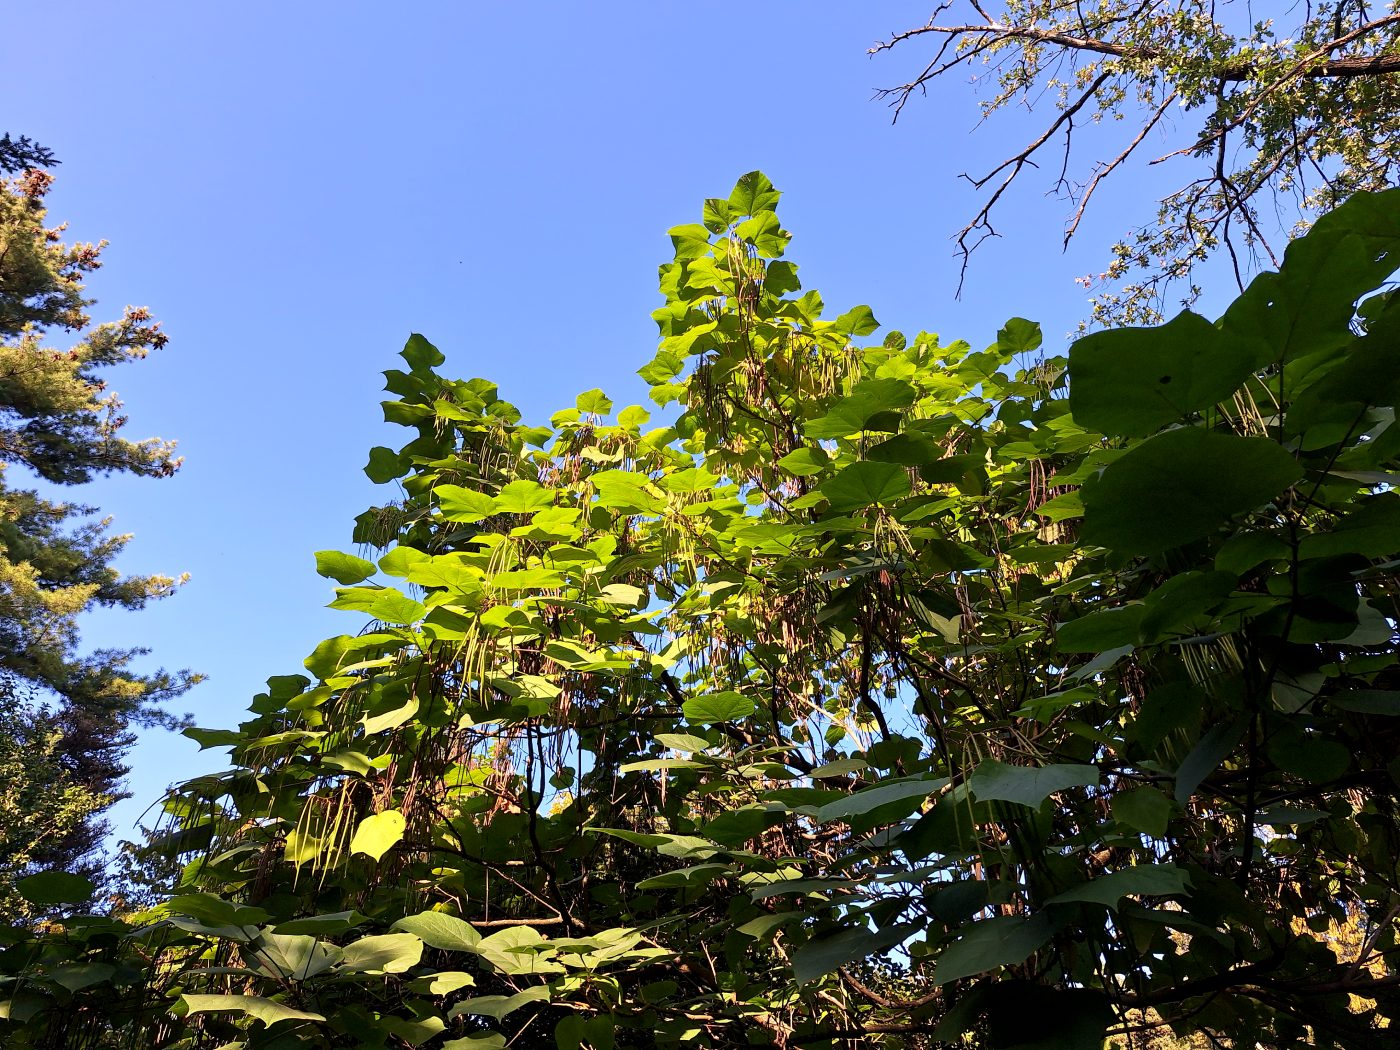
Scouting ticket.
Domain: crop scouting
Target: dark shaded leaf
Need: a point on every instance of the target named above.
(1131, 382)
(1003, 940)
(1180, 486)
(1028, 785)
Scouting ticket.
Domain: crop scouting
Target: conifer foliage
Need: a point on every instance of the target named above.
(69, 713)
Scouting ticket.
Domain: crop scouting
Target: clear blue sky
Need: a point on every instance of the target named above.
(295, 187)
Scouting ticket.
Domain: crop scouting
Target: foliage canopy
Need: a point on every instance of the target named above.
(896, 692)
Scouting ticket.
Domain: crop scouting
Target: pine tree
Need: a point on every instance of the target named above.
(71, 713)
(23, 153)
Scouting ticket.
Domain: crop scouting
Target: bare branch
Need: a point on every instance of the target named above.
(982, 220)
(1109, 168)
(1135, 51)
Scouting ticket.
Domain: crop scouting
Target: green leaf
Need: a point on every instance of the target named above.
(295, 957)
(752, 194)
(265, 1010)
(382, 953)
(383, 603)
(1182, 601)
(1019, 336)
(439, 930)
(390, 718)
(866, 483)
(1143, 809)
(1028, 785)
(1143, 880)
(909, 792)
(685, 878)
(523, 497)
(414, 1033)
(735, 827)
(717, 707)
(594, 402)
(1133, 381)
(680, 846)
(498, 1006)
(804, 462)
(1372, 530)
(967, 472)
(1063, 507)
(446, 570)
(207, 738)
(1004, 940)
(1205, 758)
(764, 232)
(48, 888)
(420, 354)
(1100, 631)
(77, 976)
(528, 580)
(780, 278)
(384, 465)
(627, 492)
(1331, 404)
(661, 368)
(1309, 756)
(445, 982)
(322, 925)
(682, 742)
(717, 214)
(378, 833)
(633, 416)
(914, 450)
(690, 241)
(1368, 701)
(868, 399)
(512, 952)
(343, 568)
(857, 321)
(1248, 550)
(1308, 305)
(463, 504)
(490, 1041)
(827, 953)
(1181, 486)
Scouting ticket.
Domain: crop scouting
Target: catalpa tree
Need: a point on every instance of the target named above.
(884, 693)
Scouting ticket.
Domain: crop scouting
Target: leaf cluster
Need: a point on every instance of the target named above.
(896, 692)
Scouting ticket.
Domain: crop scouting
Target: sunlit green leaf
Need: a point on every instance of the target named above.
(718, 707)
(854, 412)
(265, 1010)
(438, 930)
(382, 953)
(463, 504)
(865, 484)
(343, 568)
(384, 465)
(377, 834)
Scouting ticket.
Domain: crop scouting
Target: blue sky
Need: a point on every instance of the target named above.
(293, 188)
